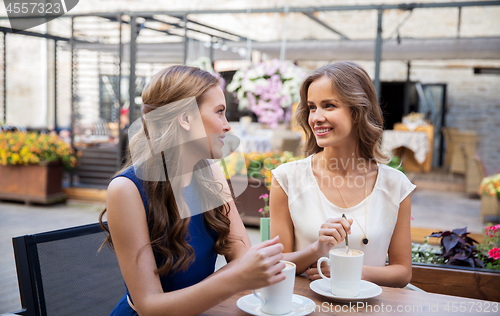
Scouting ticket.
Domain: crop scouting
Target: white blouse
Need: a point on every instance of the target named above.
(309, 208)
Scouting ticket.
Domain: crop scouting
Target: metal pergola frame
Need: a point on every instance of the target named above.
(183, 14)
(73, 40)
(309, 10)
(182, 27)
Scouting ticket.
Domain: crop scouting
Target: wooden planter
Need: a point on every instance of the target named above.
(32, 183)
(459, 281)
(489, 206)
(248, 203)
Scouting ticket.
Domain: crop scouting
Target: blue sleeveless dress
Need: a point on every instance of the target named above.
(201, 237)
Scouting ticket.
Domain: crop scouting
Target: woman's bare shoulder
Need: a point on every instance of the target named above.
(122, 189)
(119, 184)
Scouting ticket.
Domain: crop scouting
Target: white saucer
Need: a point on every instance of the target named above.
(300, 305)
(366, 290)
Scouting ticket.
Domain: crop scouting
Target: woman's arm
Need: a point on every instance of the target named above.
(127, 222)
(398, 272)
(332, 232)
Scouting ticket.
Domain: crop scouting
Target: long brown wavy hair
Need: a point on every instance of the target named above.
(167, 229)
(354, 88)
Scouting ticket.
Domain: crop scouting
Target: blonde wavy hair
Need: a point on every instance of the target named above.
(166, 225)
(354, 88)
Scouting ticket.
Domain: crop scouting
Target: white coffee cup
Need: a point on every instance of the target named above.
(276, 299)
(345, 271)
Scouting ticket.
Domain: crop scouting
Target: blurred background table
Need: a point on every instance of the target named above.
(254, 138)
(416, 146)
(255, 143)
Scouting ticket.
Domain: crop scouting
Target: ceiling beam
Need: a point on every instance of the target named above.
(242, 38)
(177, 25)
(401, 6)
(486, 48)
(315, 19)
(34, 34)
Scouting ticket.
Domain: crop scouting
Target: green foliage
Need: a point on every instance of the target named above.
(396, 164)
(457, 248)
(425, 254)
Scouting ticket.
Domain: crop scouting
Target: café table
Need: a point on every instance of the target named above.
(394, 301)
(259, 141)
(410, 164)
(255, 143)
(417, 142)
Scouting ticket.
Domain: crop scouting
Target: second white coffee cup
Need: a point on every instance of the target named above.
(345, 271)
(276, 299)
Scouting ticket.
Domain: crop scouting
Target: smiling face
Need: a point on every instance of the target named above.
(329, 118)
(213, 115)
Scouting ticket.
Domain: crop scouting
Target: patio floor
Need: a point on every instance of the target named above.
(430, 209)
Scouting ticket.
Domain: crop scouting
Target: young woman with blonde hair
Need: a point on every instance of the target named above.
(344, 173)
(167, 256)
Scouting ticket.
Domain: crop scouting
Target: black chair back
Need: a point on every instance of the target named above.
(62, 273)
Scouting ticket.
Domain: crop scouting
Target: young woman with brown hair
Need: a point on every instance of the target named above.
(344, 173)
(167, 256)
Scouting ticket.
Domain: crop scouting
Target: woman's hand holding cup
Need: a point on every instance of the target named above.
(331, 233)
(261, 266)
(313, 273)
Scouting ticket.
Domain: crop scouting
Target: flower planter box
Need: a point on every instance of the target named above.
(489, 206)
(468, 282)
(32, 183)
(248, 203)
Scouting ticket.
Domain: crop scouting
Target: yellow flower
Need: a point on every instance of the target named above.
(30, 148)
(15, 158)
(24, 151)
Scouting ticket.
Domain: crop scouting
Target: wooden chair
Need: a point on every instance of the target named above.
(464, 140)
(474, 173)
(447, 131)
(62, 273)
(490, 206)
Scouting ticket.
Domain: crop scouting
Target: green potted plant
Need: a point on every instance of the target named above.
(31, 166)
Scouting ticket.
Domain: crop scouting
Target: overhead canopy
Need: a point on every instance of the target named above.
(407, 49)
